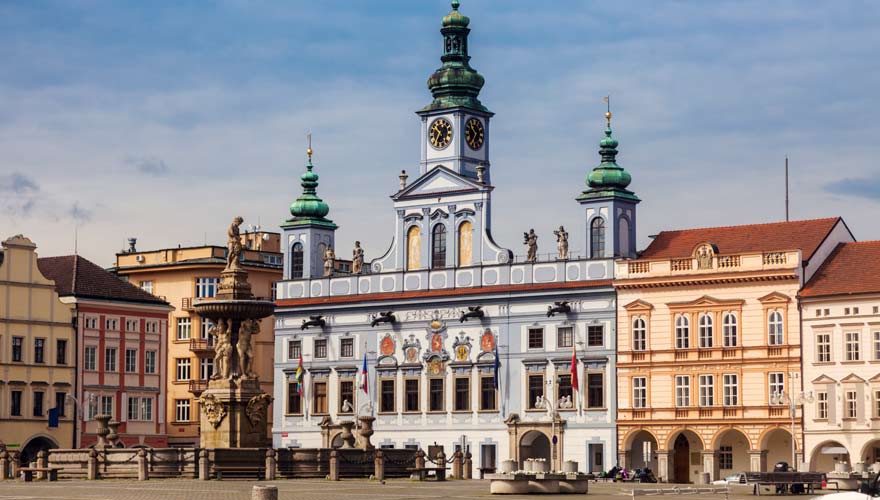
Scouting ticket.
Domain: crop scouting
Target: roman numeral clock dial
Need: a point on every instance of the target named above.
(473, 133)
(440, 133)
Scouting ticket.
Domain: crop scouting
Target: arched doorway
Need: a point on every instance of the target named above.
(777, 443)
(642, 451)
(871, 453)
(731, 452)
(827, 455)
(685, 456)
(34, 446)
(534, 444)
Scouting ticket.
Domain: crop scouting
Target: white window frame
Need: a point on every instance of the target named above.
(560, 335)
(150, 358)
(823, 347)
(111, 363)
(133, 410)
(775, 327)
(877, 346)
(131, 326)
(640, 334)
(851, 404)
(183, 328)
(90, 358)
(147, 286)
(182, 369)
(682, 332)
(206, 287)
(146, 409)
(682, 390)
(205, 326)
(822, 405)
(730, 330)
(730, 389)
(640, 392)
(107, 405)
(206, 368)
(131, 362)
(852, 347)
(707, 390)
(151, 327)
(182, 410)
(775, 385)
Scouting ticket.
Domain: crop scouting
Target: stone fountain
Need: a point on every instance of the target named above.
(233, 409)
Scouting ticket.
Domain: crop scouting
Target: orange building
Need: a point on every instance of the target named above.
(709, 348)
(180, 276)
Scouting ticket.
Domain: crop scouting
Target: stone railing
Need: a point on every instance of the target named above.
(774, 258)
(682, 264)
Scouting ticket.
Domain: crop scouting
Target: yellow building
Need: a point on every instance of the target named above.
(709, 347)
(36, 355)
(180, 276)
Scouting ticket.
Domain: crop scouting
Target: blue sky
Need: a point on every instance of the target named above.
(162, 120)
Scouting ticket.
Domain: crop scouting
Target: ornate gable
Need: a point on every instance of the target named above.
(823, 379)
(706, 302)
(436, 182)
(639, 305)
(852, 378)
(775, 298)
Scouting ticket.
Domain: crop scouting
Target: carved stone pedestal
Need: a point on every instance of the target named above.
(234, 414)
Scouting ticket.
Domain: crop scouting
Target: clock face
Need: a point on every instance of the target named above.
(473, 133)
(440, 133)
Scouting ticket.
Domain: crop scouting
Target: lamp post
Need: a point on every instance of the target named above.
(793, 400)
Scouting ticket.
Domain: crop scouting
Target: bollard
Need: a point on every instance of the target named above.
(92, 467)
(334, 465)
(16, 463)
(379, 466)
(271, 464)
(203, 464)
(456, 464)
(42, 462)
(4, 464)
(264, 493)
(143, 472)
(420, 459)
(441, 462)
(468, 466)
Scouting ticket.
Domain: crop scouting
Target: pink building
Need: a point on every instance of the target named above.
(121, 351)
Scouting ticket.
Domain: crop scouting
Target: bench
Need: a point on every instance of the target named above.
(28, 473)
(253, 470)
(485, 470)
(422, 472)
(810, 480)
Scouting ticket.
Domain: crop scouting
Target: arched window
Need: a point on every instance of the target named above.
(597, 238)
(296, 261)
(729, 330)
(465, 243)
(413, 248)
(438, 247)
(774, 328)
(706, 330)
(623, 239)
(682, 332)
(640, 335)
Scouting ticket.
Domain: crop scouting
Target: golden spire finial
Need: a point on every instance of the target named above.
(607, 100)
(309, 151)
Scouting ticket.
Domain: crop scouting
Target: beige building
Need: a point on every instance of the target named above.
(180, 276)
(709, 347)
(37, 342)
(841, 331)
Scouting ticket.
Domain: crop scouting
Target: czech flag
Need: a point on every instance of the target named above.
(574, 371)
(299, 376)
(364, 376)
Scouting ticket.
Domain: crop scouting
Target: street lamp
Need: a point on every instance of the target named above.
(793, 401)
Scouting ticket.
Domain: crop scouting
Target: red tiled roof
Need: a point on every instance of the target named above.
(449, 292)
(79, 277)
(805, 235)
(851, 268)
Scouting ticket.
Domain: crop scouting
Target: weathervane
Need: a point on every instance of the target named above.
(607, 101)
(309, 151)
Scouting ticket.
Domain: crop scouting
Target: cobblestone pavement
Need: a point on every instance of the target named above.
(301, 489)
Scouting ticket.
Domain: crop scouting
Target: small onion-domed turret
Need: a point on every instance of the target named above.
(309, 207)
(608, 178)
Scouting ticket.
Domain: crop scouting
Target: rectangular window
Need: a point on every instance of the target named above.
(206, 368)
(320, 348)
(61, 352)
(150, 362)
(107, 405)
(462, 400)
(131, 360)
(725, 457)
(851, 405)
(17, 343)
(346, 348)
(184, 328)
(595, 336)
(183, 366)
(60, 402)
(536, 390)
(876, 404)
(536, 338)
(876, 346)
(111, 324)
(595, 390)
(319, 398)
(488, 397)
(181, 410)
(294, 350)
(682, 390)
(564, 336)
(707, 390)
(640, 392)
(411, 395)
(436, 394)
(38, 403)
(346, 395)
(39, 350)
(205, 326)
(730, 386)
(15, 403)
(147, 286)
(206, 288)
(110, 359)
(776, 384)
(131, 325)
(147, 409)
(133, 412)
(563, 388)
(151, 327)
(386, 396)
(823, 348)
(822, 405)
(294, 400)
(92, 323)
(852, 346)
(91, 356)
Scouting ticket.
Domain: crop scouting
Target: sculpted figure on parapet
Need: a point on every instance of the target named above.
(248, 328)
(233, 245)
(222, 350)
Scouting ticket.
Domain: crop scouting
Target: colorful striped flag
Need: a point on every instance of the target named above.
(299, 376)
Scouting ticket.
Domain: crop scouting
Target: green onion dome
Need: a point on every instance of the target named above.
(456, 18)
(608, 174)
(309, 205)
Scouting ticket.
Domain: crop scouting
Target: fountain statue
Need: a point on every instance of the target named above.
(233, 407)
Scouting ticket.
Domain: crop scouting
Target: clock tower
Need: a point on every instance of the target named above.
(455, 126)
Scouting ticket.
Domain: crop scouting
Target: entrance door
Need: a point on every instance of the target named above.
(681, 457)
(596, 458)
(487, 456)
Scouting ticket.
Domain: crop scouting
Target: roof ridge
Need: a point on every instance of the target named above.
(751, 225)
